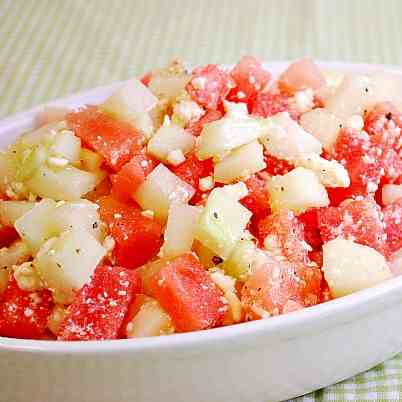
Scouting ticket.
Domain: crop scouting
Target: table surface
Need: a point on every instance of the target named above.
(50, 48)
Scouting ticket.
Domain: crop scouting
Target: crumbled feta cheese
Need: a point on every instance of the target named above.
(175, 157)
(304, 100)
(148, 213)
(227, 284)
(166, 120)
(57, 162)
(233, 109)
(206, 183)
(27, 277)
(330, 173)
(355, 122)
(187, 111)
(199, 82)
(109, 243)
(241, 95)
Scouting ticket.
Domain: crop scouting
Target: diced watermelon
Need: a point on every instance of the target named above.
(117, 141)
(131, 176)
(209, 86)
(268, 104)
(100, 306)
(191, 171)
(250, 78)
(360, 220)
(257, 200)
(276, 286)
(138, 238)
(384, 123)
(393, 225)
(283, 234)
(24, 314)
(276, 166)
(309, 220)
(301, 74)
(355, 151)
(188, 294)
(7, 235)
(196, 127)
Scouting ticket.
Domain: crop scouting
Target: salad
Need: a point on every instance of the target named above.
(190, 200)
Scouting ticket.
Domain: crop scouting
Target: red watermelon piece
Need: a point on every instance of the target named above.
(250, 78)
(393, 225)
(384, 123)
(267, 104)
(131, 176)
(24, 314)
(356, 152)
(98, 310)
(286, 237)
(209, 86)
(138, 238)
(188, 294)
(360, 220)
(278, 286)
(117, 141)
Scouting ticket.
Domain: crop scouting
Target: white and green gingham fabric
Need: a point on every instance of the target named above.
(51, 48)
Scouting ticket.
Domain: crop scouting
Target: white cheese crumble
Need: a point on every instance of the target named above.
(199, 82)
(236, 110)
(330, 173)
(355, 122)
(175, 157)
(166, 120)
(304, 100)
(206, 183)
(227, 285)
(187, 111)
(27, 277)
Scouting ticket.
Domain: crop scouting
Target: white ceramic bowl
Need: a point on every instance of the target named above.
(267, 360)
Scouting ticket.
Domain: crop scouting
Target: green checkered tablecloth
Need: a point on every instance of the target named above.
(50, 48)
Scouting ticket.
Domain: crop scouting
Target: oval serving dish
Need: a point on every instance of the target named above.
(267, 360)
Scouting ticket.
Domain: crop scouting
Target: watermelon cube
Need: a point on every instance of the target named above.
(98, 310)
(24, 314)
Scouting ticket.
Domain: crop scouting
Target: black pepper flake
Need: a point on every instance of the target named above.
(216, 259)
(215, 214)
(388, 116)
(340, 125)
(282, 188)
(77, 250)
(95, 225)
(58, 265)
(366, 90)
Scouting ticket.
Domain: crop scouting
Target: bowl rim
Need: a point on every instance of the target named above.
(348, 307)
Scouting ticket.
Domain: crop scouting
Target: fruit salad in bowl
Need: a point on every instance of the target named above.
(195, 199)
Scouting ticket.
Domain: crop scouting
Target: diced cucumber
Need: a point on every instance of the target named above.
(35, 227)
(240, 260)
(66, 145)
(90, 160)
(222, 223)
(66, 263)
(67, 184)
(160, 189)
